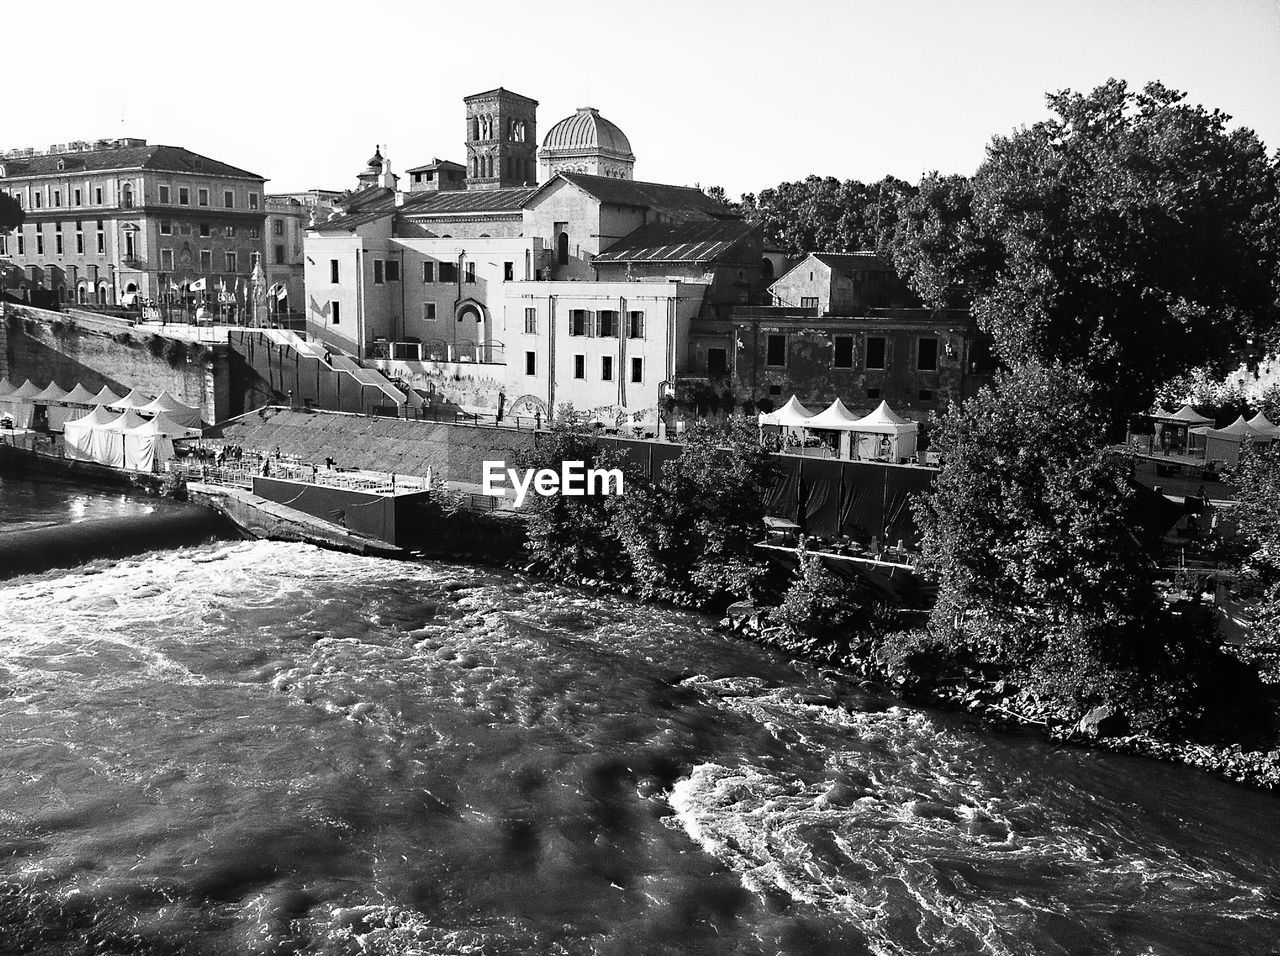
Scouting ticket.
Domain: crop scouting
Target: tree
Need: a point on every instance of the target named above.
(823, 615)
(1131, 234)
(1257, 515)
(823, 214)
(12, 215)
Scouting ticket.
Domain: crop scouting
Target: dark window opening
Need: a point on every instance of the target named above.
(927, 358)
(717, 362)
(873, 393)
(777, 350)
(875, 351)
(843, 352)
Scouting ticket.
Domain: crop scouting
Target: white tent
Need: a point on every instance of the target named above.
(135, 399)
(1187, 415)
(1260, 423)
(176, 410)
(790, 415)
(835, 417)
(5, 388)
(80, 396)
(885, 434)
(151, 443)
(1223, 444)
(78, 437)
(50, 394)
(106, 397)
(18, 404)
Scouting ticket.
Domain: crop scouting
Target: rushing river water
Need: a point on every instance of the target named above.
(27, 502)
(268, 748)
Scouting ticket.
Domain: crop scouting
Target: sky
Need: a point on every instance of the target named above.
(742, 94)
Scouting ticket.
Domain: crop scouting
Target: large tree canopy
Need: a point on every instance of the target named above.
(823, 214)
(11, 214)
(1130, 233)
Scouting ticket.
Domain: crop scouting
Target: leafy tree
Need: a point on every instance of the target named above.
(1257, 515)
(823, 214)
(11, 214)
(824, 615)
(1130, 233)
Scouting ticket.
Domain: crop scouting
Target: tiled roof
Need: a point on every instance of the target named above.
(369, 197)
(587, 129)
(846, 263)
(171, 159)
(703, 241)
(467, 201)
(436, 164)
(683, 201)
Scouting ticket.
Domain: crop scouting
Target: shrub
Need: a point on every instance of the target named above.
(823, 615)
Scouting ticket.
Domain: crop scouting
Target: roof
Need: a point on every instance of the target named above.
(847, 263)
(436, 164)
(171, 159)
(468, 201)
(699, 241)
(502, 90)
(657, 196)
(587, 129)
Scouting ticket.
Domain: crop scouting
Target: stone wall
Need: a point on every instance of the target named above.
(461, 386)
(48, 347)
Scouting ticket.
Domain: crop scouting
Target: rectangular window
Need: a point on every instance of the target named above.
(102, 239)
(39, 201)
(279, 255)
(508, 271)
(204, 229)
(166, 260)
(97, 196)
(277, 227)
(606, 368)
(22, 243)
(79, 240)
(471, 272)
(637, 370)
(777, 351)
(377, 272)
(607, 324)
(39, 240)
(202, 197)
(531, 320)
(927, 356)
(717, 362)
(78, 199)
(184, 196)
(57, 241)
(229, 199)
(843, 357)
(578, 321)
(530, 363)
(334, 312)
(873, 393)
(57, 197)
(333, 271)
(448, 272)
(926, 394)
(253, 200)
(231, 262)
(4, 244)
(393, 270)
(229, 231)
(428, 272)
(253, 232)
(875, 351)
(635, 325)
(166, 227)
(164, 195)
(579, 366)
(206, 260)
(428, 311)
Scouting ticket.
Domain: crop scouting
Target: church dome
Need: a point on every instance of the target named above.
(587, 130)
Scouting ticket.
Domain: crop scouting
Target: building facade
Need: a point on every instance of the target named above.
(502, 136)
(118, 220)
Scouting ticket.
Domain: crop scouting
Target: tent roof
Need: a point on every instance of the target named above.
(1261, 423)
(5, 387)
(790, 414)
(80, 396)
(126, 420)
(135, 399)
(53, 392)
(1188, 414)
(834, 416)
(107, 397)
(27, 389)
(96, 418)
(162, 424)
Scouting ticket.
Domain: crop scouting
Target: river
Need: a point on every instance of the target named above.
(268, 748)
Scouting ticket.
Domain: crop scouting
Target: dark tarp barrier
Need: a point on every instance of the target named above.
(820, 480)
(784, 497)
(876, 501)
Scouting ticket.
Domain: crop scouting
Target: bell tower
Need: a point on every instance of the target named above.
(502, 140)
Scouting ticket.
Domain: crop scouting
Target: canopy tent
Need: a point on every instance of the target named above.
(1186, 415)
(151, 444)
(80, 396)
(106, 397)
(835, 417)
(135, 399)
(79, 438)
(1259, 422)
(885, 434)
(5, 388)
(18, 404)
(790, 415)
(163, 424)
(27, 391)
(50, 394)
(176, 410)
(1223, 444)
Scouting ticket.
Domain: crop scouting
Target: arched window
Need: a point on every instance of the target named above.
(562, 248)
(766, 270)
(126, 196)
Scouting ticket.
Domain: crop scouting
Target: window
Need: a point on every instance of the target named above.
(229, 199)
(635, 325)
(428, 272)
(843, 357)
(102, 239)
(184, 196)
(579, 366)
(57, 197)
(231, 262)
(775, 390)
(471, 272)
(130, 251)
(717, 362)
(229, 231)
(875, 351)
(57, 240)
(873, 393)
(279, 255)
(637, 370)
(333, 271)
(448, 272)
(607, 324)
(164, 195)
(562, 243)
(166, 227)
(253, 232)
(393, 270)
(206, 260)
(428, 311)
(39, 239)
(39, 200)
(166, 260)
(531, 320)
(97, 196)
(277, 227)
(530, 363)
(202, 197)
(777, 350)
(927, 355)
(808, 302)
(79, 239)
(78, 198)
(508, 271)
(22, 243)
(578, 321)
(606, 368)
(926, 394)
(377, 272)
(204, 229)
(4, 244)
(253, 200)
(335, 312)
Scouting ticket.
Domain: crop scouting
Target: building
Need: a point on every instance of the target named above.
(289, 216)
(842, 283)
(586, 143)
(118, 220)
(437, 175)
(502, 130)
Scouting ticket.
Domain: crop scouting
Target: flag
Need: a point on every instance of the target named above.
(222, 285)
(198, 285)
(173, 286)
(282, 293)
